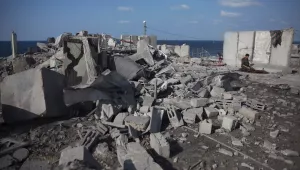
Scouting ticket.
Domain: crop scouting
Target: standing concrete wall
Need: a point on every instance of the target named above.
(245, 45)
(230, 47)
(184, 50)
(258, 45)
(262, 46)
(281, 54)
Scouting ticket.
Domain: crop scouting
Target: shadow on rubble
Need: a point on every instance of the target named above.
(161, 161)
(175, 148)
(27, 121)
(70, 72)
(128, 165)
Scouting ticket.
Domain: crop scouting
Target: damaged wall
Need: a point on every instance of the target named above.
(279, 53)
(258, 45)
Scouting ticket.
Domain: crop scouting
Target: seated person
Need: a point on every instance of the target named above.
(245, 65)
(220, 57)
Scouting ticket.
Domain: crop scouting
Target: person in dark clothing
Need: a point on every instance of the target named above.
(245, 65)
(220, 56)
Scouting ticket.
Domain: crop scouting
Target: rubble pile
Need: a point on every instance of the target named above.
(92, 103)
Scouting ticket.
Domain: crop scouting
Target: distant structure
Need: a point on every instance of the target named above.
(145, 28)
(14, 44)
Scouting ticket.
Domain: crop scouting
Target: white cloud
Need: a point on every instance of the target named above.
(239, 3)
(123, 22)
(217, 21)
(193, 22)
(124, 8)
(229, 14)
(180, 7)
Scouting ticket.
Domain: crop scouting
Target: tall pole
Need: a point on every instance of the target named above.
(14, 44)
(145, 28)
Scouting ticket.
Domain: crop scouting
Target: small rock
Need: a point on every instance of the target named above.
(218, 145)
(204, 147)
(247, 166)
(235, 153)
(79, 125)
(21, 154)
(102, 149)
(214, 166)
(175, 159)
(288, 152)
(274, 134)
(184, 135)
(236, 142)
(225, 152)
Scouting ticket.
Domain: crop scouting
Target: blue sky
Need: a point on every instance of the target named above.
(171, 19)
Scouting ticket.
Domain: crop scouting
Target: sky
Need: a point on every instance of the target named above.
(168, 19)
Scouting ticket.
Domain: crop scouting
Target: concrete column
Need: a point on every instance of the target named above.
(14, 44)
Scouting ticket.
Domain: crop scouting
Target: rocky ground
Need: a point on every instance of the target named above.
(188, 149)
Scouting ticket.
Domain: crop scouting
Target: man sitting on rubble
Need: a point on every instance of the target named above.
(245, 65)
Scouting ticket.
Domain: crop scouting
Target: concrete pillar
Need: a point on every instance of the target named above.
(14, 44)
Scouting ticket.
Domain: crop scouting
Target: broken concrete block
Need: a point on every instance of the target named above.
(205, 127)
(255, 104)
(148, 101)
(189, 116)
(119, 119)
(31, 94)
(159, 143)
(229, 122)
(101, 128)
(6, 161)
(217, 92)
(186, 79)
(137, 157)
(175, 118)
(288, 152)
(78, 153)
(211, 112)
(21, 154)
(139, 123)
(225, 152)
(145, 109)
(199, 102)
(274, 134)
(227, 96)
(248, 113)
(204, 93)
(108, 110)
(191, 112)
(196, 87)
(90, 139)
(102, 149)
(156, 120)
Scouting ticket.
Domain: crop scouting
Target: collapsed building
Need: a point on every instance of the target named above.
(87, 101)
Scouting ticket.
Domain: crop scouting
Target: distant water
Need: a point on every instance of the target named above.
(213, 47)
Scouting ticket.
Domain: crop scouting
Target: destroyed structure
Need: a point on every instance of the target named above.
(87, 102)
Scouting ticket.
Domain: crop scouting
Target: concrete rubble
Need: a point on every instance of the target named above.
(87, 101)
